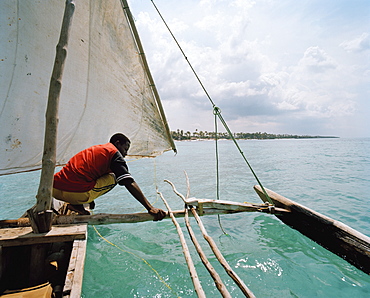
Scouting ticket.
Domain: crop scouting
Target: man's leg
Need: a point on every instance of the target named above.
(102, 186)
(77, 199)
(78, 208)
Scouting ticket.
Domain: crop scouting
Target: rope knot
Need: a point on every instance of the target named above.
(216, 111)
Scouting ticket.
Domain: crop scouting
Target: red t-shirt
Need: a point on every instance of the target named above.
(83, 169)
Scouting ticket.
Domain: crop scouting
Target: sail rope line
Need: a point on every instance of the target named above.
(217, 172)
(216, 110)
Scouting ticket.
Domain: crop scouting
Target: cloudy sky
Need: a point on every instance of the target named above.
(276, 66)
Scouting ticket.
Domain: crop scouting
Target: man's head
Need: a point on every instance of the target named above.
(121, 142)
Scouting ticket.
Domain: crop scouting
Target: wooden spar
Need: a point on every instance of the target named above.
(216, 251)
(349, 244)
(221, 259)
(106, 218)
(149, 75)
(218, 282)
(233, 206)
(226, 205)
(185, 249)
(41, 217)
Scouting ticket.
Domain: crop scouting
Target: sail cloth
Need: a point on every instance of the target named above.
(105, 87)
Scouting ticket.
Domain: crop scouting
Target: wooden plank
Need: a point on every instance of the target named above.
(344, 241)
(24, 235)
(71, 268)
(74, 278)
(37, 263)
(79, 270)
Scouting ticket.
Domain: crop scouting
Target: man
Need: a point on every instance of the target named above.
(95, 171)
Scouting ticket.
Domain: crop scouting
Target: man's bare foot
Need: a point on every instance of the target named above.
(92, 205)
(79, 209)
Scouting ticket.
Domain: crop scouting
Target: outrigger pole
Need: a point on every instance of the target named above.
(246, 291)
(193, 273)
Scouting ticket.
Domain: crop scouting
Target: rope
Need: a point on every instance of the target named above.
(146, 262)
(217, 111)
(245, 159)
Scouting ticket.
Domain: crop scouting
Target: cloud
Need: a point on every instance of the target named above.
(258, 66)
(316, 60)
(359, 44)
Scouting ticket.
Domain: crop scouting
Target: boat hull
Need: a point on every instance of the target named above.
(29, 260)
(349, 244)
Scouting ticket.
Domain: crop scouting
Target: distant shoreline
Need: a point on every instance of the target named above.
(180, 135)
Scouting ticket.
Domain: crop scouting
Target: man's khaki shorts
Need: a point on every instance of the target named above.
(102, 186)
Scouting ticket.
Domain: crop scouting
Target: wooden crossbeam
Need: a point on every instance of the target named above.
(233, 206)
(204, 207)
(25, 236)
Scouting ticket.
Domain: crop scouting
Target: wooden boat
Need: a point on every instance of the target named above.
(43, 254)
(105, 64)
(349, 244)
(105, 76)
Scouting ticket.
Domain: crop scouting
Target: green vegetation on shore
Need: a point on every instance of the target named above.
(182, 135)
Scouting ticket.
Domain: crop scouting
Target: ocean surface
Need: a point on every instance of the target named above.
(331, 176)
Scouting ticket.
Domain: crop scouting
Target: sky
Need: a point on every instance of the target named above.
(283, 67)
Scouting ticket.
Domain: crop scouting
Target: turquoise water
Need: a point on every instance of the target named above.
(331, 176)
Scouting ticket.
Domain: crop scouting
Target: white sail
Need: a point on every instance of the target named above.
(105, 87)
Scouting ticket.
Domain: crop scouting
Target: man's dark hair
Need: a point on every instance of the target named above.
(119, 137)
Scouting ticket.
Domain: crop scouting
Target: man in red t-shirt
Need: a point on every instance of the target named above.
(95, 171)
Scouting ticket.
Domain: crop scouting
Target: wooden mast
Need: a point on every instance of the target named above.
(41, 215)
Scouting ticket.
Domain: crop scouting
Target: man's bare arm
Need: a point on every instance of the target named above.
(136, 192)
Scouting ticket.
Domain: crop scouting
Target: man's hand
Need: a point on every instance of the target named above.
(158, 214)
(135, 190)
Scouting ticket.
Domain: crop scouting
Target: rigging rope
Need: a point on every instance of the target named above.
(216, 110)
(217, 172)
